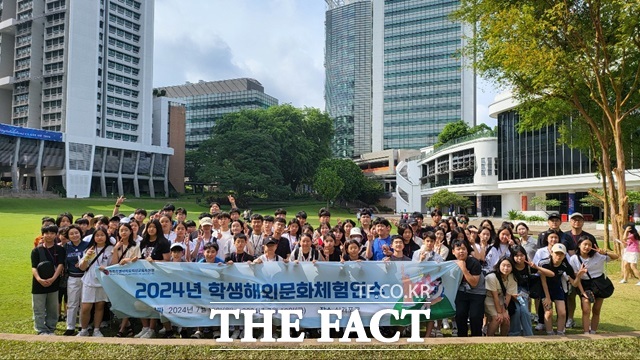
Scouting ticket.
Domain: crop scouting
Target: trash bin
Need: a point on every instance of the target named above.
(564, 217)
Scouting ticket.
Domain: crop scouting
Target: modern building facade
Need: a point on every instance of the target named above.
(418, 82)
(504, 171)
(468, 166)
(348, 84)
(82, 69)
(206, 102)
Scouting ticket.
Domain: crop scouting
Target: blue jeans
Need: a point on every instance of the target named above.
(45, 312)
(520, 321)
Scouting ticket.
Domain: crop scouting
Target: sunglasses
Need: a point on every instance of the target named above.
(463, 221)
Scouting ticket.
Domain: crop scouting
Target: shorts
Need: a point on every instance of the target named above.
(93, 294)
(556, 294)
(630, 257)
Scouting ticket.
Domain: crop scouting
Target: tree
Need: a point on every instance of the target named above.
(264, 149)
(543, 202)
(245, 163)
(371, 191)
(452, 131)
(444, 198)
(327, 183)
(575, 59)
(350, 173)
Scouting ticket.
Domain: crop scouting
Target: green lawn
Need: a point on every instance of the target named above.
(20, 220)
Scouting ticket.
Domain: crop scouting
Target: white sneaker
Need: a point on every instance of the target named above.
(216, 334)
(623, 281)
(83, 332)
(445, 324)
(570, 323)
(148, 335)
(592, 332)
(235, 334)
(162, 331)
(142, 332)
(197, 335)
(97, 333)
(454, 331)
(540, 327)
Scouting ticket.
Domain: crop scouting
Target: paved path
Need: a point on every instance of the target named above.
(314, 342)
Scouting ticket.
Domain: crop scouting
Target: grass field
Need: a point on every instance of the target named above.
(19, 225)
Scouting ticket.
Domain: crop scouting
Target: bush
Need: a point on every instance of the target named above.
(534, 218)
(516, 215)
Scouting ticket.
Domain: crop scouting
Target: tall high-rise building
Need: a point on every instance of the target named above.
(209, 101)
(79, 73)
(348, 54)
(418, 82)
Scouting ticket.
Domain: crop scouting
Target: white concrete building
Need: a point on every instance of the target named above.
(76, 77)
(504, 171)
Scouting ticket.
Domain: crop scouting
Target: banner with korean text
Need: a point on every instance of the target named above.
(185, 293)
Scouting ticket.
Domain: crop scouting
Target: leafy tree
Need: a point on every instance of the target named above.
(576, 59)
(245, 163)
(264, 149)
(444, 198)
(327, 183)
(452, 131)
(351, 175)
(543, 202)
(372, 190)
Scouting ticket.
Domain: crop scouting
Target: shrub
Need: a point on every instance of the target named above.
(535, 218)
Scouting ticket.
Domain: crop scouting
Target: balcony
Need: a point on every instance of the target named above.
(53, 34)
(8, 26)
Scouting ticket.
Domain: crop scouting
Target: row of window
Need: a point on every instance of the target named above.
(52, 117)
(124, 22)
(123, 45)
(489, 166)
(131, 3)
(122, 113)
(123, 34)
(124, 11)
(122, 79)
(121, 91)
(122, 102)
(121, 125)
(122, 56)
(124, 68)
(123, 137)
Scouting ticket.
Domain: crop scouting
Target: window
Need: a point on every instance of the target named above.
(483, 167)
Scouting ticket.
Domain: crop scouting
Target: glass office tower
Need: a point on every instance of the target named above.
(348, 75)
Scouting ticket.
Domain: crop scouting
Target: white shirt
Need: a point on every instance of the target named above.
(90, 278)
(595, 265)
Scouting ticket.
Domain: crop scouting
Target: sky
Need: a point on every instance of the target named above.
(280, 43)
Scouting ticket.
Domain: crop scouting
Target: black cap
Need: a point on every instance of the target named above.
(553, 215)
(270, 241)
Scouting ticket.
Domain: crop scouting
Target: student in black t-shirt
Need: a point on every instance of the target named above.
(353, 251)
(397, 245)
(329, 248)
(471, 292)
(240, 255)
(44, 287)
(552, 286)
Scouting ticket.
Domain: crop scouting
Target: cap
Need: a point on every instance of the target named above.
(125, 220)
(270, 241)
(412, 221)
(177, 246)
(553, 215)
(559, 248)
(576, 214)
(355, 232)
(206, 221)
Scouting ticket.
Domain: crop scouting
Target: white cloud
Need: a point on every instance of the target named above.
(280, 43)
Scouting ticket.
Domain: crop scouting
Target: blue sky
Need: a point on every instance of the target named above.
(280, 43)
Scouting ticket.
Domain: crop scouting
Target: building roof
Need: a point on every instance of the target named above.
(212, 87)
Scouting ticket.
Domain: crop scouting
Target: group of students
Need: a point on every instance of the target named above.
(499, 277)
